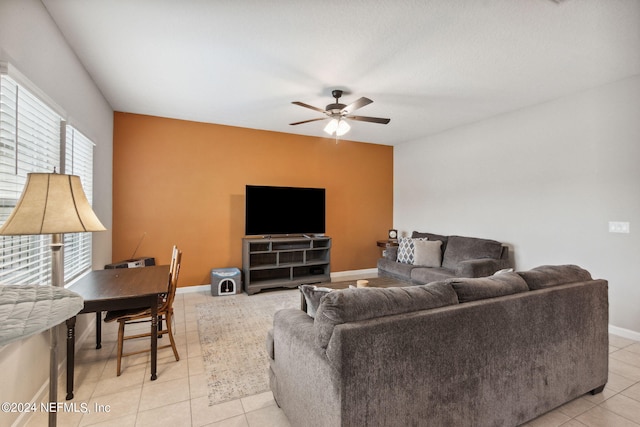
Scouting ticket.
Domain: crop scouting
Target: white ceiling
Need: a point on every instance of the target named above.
(428, 65)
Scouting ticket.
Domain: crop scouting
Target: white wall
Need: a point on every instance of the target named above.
(545, 180)
(31, 42)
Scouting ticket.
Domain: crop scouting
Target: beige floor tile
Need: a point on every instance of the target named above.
(239, 421)
(620, 342)
(271, 416)
(633, 392)
(626, 356)
(624, 406)
(203, 414)
(169, 369)
(198, 386)
(191, 327)
(193, 337)
(169, 415)
(634, 348)
(600, 397)
(83, 388)
(258, 401)
(618, 382)
(91, 353)
(132, 377)
(157, 394)
(115, 405)
(63, 418)
(126, 421)
(196, 365)
(554, 418)
(601, 417)
(88, 371)
(194, 349)
(573, 423)
(576, 407)
(128, 362)
(624, 369)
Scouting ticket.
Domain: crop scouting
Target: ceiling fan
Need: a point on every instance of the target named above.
(338, 112)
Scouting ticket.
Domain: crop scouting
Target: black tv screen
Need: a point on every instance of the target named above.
(284, 210)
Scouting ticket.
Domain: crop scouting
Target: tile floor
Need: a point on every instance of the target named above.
(179, 396)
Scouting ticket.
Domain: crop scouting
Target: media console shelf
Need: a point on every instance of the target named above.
(287, 262)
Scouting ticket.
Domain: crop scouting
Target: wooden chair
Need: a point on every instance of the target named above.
(165, 315)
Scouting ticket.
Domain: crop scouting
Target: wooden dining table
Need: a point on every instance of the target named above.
(118, 289)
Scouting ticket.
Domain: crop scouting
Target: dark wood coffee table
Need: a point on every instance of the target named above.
(374, 282)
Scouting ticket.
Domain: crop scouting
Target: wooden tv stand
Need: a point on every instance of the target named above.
(285, 262)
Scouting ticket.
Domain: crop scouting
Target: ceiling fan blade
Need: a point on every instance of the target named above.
(370, 119)
(307, 121)
(355, 105)
(302, 104)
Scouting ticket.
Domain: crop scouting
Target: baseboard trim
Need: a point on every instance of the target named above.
(189, 289)
(624, 333)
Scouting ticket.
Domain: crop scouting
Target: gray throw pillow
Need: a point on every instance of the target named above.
(427, 253)
(312, 295)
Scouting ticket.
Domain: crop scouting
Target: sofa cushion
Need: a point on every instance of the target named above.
(427, 253)
(472, 289)
(553, 275)
(466, 248)
(431, 236)
(355, 304)
(395, 269)
(406, 250)
(312, 295)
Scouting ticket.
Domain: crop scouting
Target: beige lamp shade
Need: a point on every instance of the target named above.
(52, 203)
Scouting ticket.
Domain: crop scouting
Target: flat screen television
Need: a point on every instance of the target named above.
(284, 210)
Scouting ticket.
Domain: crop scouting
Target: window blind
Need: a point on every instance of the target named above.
(32, 138)
(78, 161)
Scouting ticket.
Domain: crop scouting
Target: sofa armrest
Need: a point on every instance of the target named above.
(300, 372)
(391, 253)
(480, 267)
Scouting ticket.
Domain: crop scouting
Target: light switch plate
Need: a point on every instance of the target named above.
(619, 227)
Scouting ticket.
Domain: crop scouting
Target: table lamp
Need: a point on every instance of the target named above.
(52, 203)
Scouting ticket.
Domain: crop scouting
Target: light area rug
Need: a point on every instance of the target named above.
(233, 331)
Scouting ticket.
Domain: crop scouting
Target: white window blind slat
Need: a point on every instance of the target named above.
(78, 161)
(30, 141)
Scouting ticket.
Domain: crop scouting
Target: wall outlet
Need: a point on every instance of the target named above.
(618, 227)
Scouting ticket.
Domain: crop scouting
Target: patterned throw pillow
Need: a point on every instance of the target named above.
(406, 250)
(312, 295)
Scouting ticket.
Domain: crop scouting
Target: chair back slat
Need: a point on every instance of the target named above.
(174, 272)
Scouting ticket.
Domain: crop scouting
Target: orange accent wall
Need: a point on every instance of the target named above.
(183, 183)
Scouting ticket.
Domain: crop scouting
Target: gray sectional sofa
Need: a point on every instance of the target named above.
(494, 351)
(458, 256)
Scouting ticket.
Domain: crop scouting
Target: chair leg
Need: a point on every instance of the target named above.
(120, 344)
(170, 331)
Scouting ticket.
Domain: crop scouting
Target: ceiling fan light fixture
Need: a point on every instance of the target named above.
(338, 113)
(331, 127)
(343, 127)
(337, 126)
